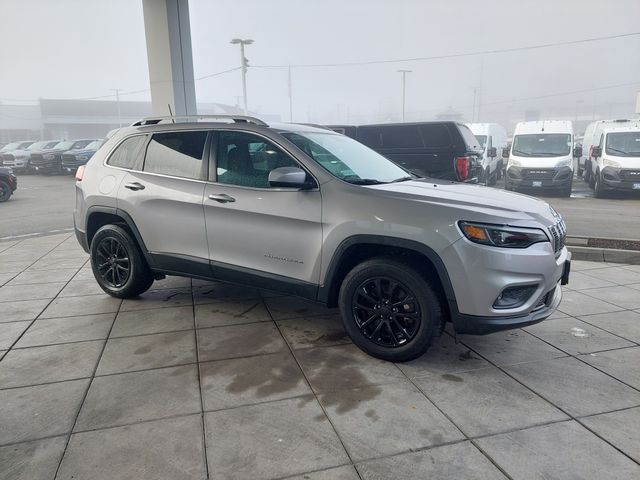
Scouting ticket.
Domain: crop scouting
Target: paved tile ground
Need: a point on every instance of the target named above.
(198, 379)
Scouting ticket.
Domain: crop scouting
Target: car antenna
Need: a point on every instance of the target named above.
(170, 113)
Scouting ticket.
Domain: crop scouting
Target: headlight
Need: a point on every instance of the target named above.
(82, 157)
(502, 235)
(513, 163)
(48, 156)
(564, 163)
(610, 163)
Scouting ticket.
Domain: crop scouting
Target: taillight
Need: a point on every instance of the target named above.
(80, 173)
(462, 168)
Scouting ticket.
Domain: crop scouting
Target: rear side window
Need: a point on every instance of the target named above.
(179, 154)
(129, 153)
(369, 136)
(435, 135)
(401, 136)
(469, 138)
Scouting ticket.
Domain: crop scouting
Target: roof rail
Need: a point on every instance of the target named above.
(172, 119)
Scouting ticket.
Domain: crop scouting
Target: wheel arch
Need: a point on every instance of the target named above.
(359, 248)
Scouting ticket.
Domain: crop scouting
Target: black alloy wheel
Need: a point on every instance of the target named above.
(386, 312)
(113, 264)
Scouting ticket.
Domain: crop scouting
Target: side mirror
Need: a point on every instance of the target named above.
(289, 177)
(505, 152)
(577, 152)
(492, 152)
(596, 152)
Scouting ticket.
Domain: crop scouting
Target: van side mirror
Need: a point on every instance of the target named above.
(289, 177)
(596, 152)
(505, 152)
(577, 152)
(492, 152)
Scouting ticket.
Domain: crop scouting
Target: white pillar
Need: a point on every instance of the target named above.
(168, 34)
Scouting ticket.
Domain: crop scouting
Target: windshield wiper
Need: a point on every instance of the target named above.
(619, 151)
(403, 179)
(363, 181)
(549, 154)
(521, 153)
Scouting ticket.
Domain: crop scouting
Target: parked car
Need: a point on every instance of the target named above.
(72, 159)
(19, 160)
(8, 183)
(10, 147)
(444, 150)
(50, 160)
(541, 156)
(313, 213)
(592, 136)
(492, 138)
(615, 159)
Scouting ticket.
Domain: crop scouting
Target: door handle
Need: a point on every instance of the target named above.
(222, 198)
(135, 186)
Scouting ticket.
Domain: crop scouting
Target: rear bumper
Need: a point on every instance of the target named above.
(82, 238)
(475, 325)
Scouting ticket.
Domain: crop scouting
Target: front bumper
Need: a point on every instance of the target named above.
(521, 177)
(48, 166)
(477, 325)
(621, 178)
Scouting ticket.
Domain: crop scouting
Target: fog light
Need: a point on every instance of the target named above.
(514, 297)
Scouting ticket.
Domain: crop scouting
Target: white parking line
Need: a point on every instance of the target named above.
(14, 237)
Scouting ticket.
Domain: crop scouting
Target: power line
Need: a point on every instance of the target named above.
(454, 55)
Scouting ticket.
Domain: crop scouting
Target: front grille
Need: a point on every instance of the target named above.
(6, 159)
(558, 235)
(36, 159)
(538, 173)
(630, 175)
(68, 159)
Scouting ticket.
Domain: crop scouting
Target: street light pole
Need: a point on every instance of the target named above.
(243, 64)
(117, 90)
(404, 90)
(290, 96)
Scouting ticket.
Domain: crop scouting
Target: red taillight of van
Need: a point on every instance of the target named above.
(80, 173)
(462, 168)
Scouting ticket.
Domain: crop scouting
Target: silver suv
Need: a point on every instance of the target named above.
(316, 214)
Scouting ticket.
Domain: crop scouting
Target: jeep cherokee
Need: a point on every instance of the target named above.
(316, 214)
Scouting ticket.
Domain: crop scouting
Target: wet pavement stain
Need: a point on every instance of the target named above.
(371, 413)
(452, 378)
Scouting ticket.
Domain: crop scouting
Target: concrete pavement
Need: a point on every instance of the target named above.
(201, 379)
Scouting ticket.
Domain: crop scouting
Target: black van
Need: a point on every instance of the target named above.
(446, 150)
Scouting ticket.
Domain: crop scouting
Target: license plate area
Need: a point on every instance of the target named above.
(536, 183)
(636, 186)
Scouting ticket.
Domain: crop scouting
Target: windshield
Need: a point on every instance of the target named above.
(51, 144)
(482, 140)
(95, 145)
(80, 144)
(37, 146)
(542, 145)
(66, 145)
(10, 146)
(623, 144)
(347, 159)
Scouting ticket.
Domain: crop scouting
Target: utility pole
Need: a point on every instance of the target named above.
(404, 90)
(244, 65)
(473, 113)
(290, 95)
(117, 90)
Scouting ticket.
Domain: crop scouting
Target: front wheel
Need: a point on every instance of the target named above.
(118, 264)
(597, 185)
(5, 191)
(389, 310)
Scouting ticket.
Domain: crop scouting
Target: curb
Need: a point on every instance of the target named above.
(613, 255)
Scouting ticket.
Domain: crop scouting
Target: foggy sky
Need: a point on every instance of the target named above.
(85, 48)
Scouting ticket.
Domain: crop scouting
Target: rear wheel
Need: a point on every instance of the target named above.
(5, 191)
(389, 310)
(118, 264)
(597, 185)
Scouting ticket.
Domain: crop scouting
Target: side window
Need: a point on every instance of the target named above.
(369, 136)
(401, 136)
(435, 135)
(178, 154)
(245, 159)
(129, 153)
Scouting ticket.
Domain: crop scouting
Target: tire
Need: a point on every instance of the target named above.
(5, 191)
(380, 286)
(592, 180)
(587, 173)
(499, 173)
(118, 264)
(597, 186)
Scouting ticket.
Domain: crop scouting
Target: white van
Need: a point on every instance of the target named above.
(592, 137)
(615, 159)
(492, 137)
(541, 156)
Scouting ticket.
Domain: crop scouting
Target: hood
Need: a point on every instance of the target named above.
(482, 203)
(82, 152)
(19, 153)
